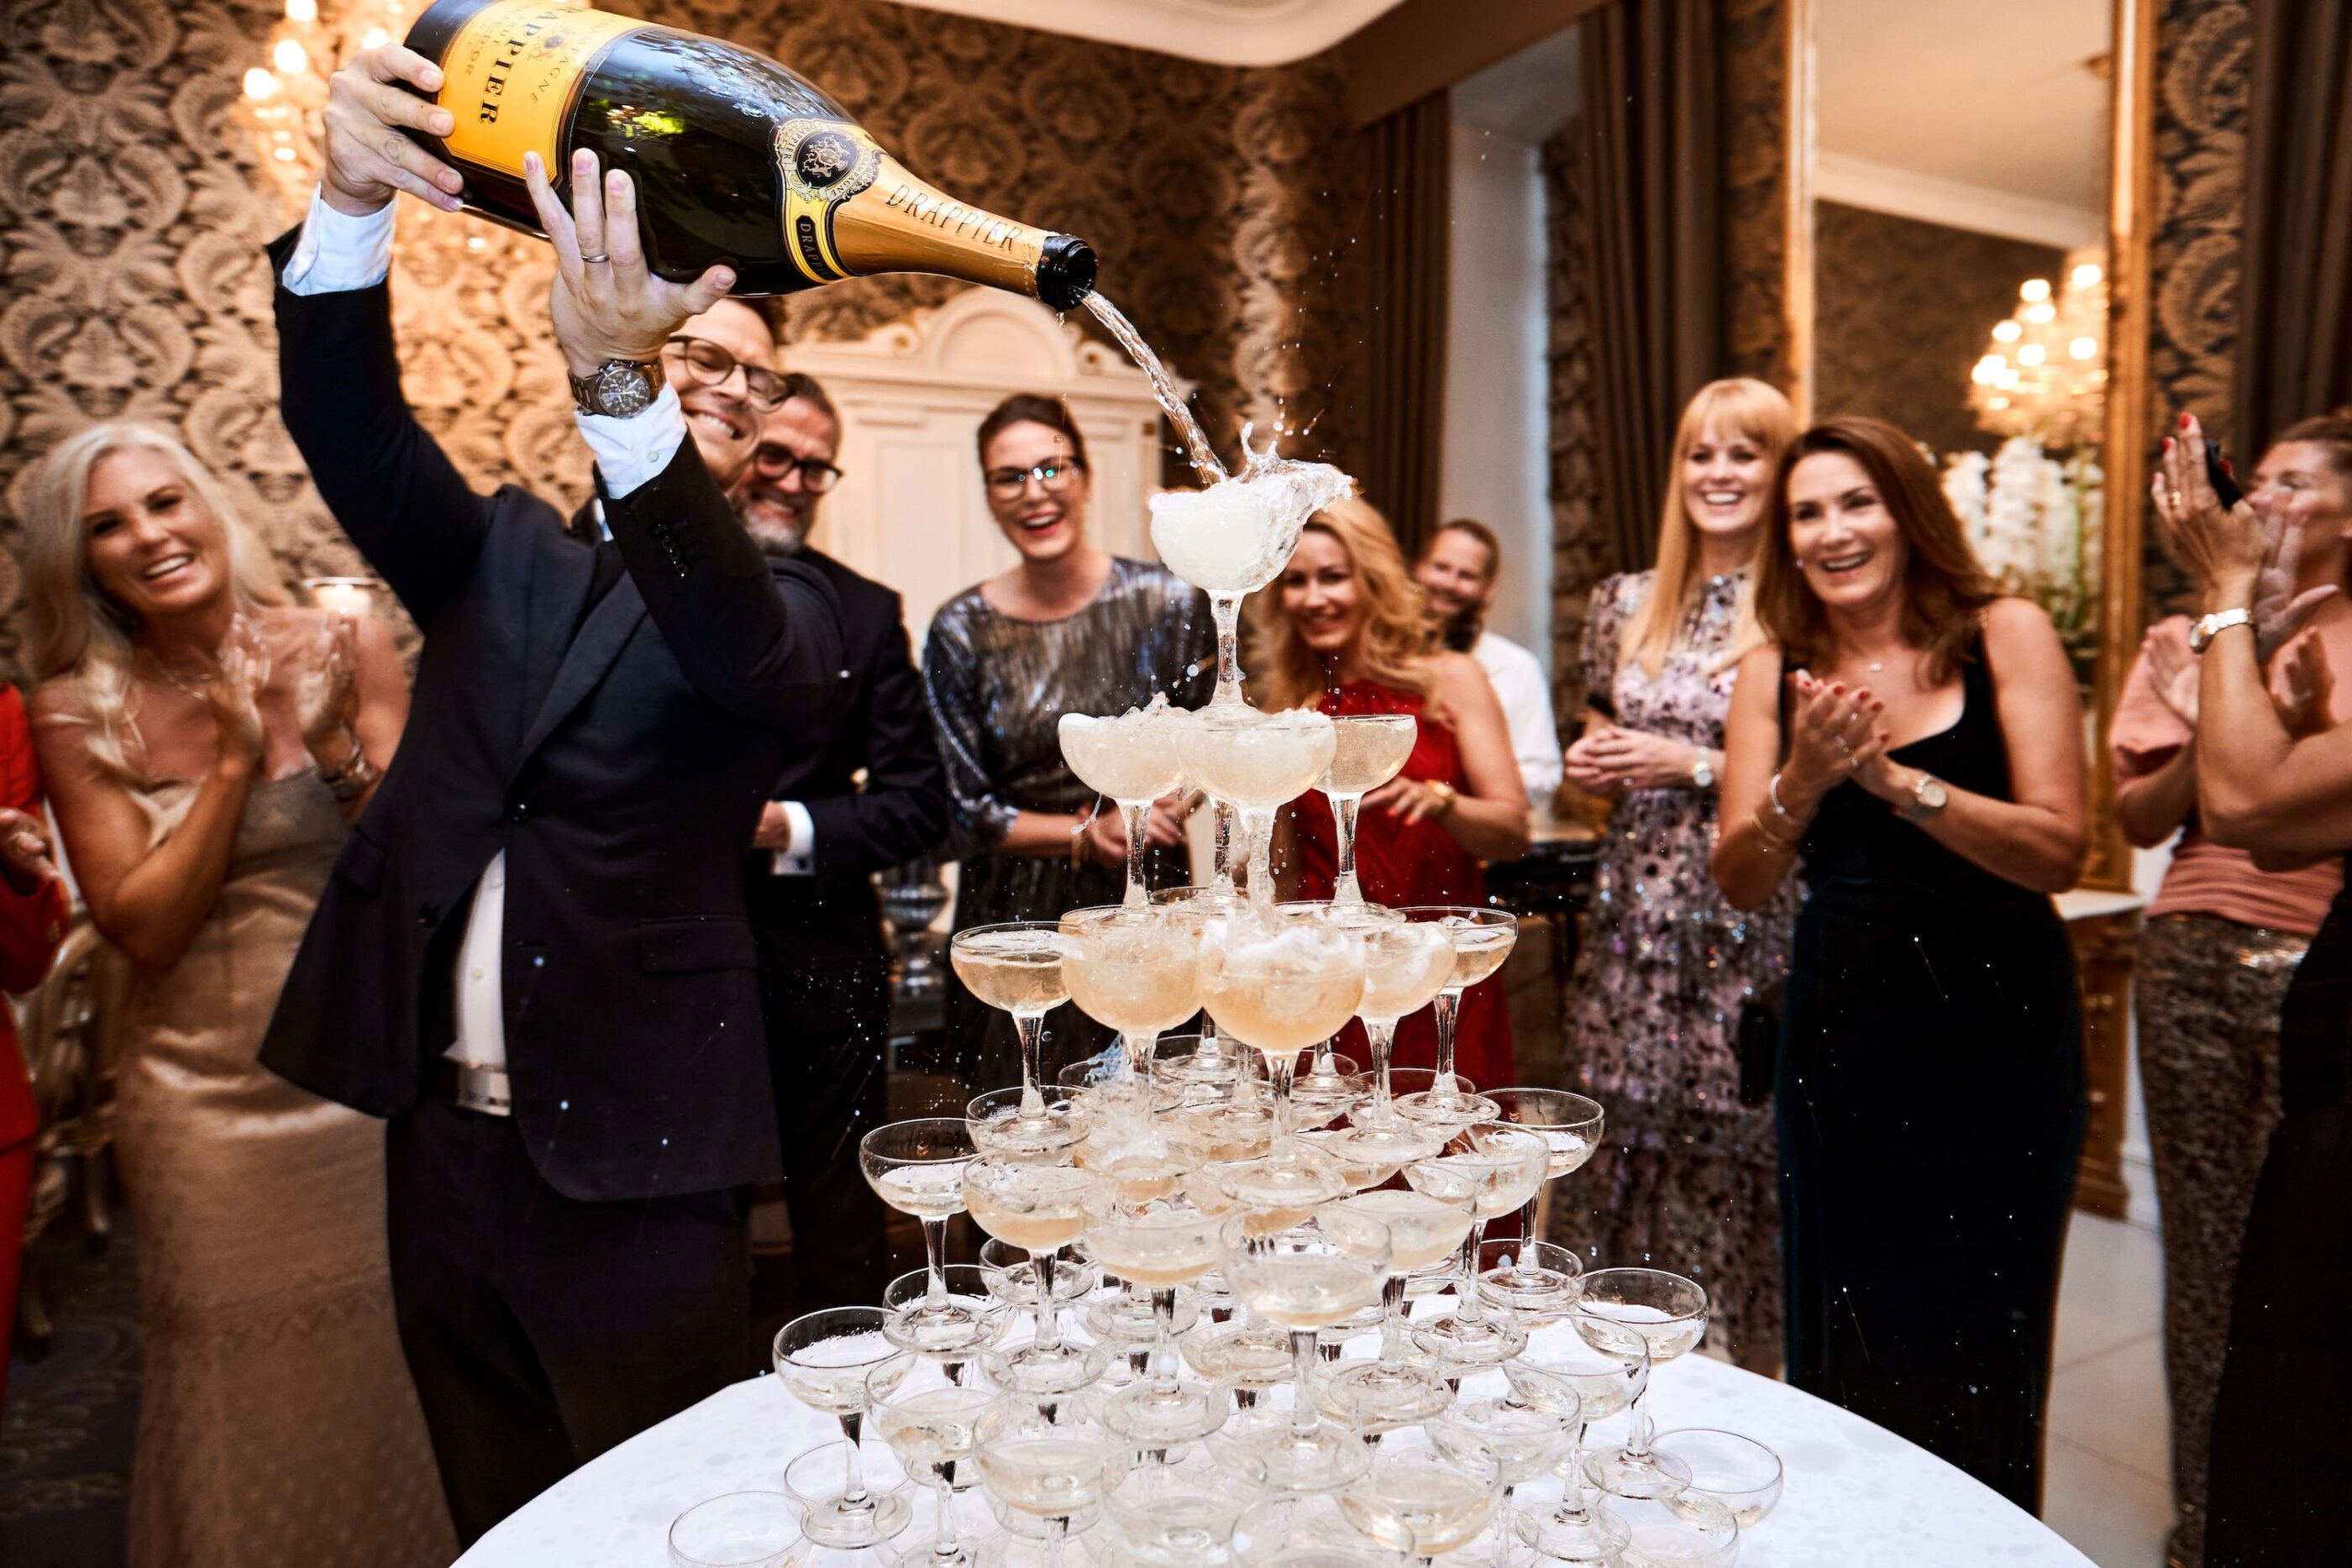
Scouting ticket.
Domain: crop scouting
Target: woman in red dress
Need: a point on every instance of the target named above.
(1344, 631)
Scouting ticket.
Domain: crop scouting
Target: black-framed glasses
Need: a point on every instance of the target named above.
(710, 365)
(773, 462)
(1053, 477)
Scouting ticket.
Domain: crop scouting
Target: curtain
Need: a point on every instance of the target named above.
(2295, 341)
(1406, 234)
(1651, 175)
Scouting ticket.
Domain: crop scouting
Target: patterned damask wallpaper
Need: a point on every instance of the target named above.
(1905, 308)
(1754, 44)
(2204, 49)
(1581, 552)
(132, 211)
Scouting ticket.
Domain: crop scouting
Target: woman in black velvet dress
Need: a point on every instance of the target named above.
(2272, 778)
(1914, 738)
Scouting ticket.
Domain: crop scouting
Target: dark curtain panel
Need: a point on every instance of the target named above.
(2294, 343)
(1653, 179)
(1406, 236)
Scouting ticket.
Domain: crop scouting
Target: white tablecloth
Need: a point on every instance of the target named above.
(1857, 1496)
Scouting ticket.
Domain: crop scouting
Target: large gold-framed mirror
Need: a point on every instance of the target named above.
(1969, 258)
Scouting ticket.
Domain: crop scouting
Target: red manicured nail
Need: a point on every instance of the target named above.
(2184, 421)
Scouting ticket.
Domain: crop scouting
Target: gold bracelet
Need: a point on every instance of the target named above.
(1772, 840)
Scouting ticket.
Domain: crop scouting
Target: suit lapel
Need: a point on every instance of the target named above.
(602, 637)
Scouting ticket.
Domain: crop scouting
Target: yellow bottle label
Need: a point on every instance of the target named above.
(510, 74)
(823, 162)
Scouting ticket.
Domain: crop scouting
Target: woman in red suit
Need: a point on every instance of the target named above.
(1344, 631)
(33, 908)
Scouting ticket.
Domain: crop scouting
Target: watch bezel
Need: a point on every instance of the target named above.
(619, 389)
(2203, 632)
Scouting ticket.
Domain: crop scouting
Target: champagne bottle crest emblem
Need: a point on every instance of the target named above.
(826, 160)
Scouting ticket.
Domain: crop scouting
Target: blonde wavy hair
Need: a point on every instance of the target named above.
(1759, 413)
(1396, 637)
(75, 627)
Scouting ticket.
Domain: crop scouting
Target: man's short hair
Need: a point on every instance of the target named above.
(801, 384)
(1483, 534)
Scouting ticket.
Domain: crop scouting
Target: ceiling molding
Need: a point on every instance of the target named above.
(1222, 32)
(1880, 188)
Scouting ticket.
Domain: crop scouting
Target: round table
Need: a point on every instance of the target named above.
(1857, 1495)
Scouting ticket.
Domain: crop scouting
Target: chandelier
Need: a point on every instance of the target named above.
(284, 98)
(2044, 374)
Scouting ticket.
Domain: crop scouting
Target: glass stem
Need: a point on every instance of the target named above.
(852, 1482)
(944, 1545)
(1448, 1007)
(1042, 1266)
(1571, 1508)
(935, 1247)
(1163, 1348)
(1302, 1369)
(1226, 611)
(1281, 1067)
(1140, 1046)
(1031, 1027)
(1639, 1429)
(1135, 812)
(1392, 1320)
(1471, 1310)
(1380, 1035)
(1222, 882)
(1344, 888)
(1259, 825)
(1527, 1226)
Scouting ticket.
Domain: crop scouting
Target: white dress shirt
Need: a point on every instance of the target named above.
(1518, 679)
(339, 252)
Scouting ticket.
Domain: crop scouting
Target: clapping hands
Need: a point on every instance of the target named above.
(1833, 734)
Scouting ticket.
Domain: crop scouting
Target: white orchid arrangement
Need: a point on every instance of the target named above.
(2033, 520)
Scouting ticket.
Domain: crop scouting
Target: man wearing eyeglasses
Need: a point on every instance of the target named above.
(824, 971)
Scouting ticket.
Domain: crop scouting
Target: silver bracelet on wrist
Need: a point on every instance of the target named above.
(1775, 792)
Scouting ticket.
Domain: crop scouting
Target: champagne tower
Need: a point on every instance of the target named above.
(736, 158)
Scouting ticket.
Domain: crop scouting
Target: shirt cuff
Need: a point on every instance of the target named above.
(631, 451)
(801, 859)
(338, 252)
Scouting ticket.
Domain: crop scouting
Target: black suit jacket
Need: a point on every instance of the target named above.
(883, 728)
(610, 717)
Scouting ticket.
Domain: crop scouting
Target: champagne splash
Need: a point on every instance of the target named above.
(1163, 387)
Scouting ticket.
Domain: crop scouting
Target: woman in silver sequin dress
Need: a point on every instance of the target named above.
(1070, 629)
(1686, 1181)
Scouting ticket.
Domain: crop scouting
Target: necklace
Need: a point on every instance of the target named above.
(1875, 665)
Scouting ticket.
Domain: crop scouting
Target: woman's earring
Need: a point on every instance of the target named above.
(1801, 563)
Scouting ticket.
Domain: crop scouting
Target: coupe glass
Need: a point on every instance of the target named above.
(916, 1167)
(1423, 1502)
(1327, 1077)
(1518, 1439)
(1259, 763)
(1047, 1459)
(1281, 981)
(1133, 760)
(1164, 1519)
(1488, 1168)
(1042, 1210)
(1482, 939)
(1135, 970)
(1016, 968)
(1204, 901)
(1009, 1278)
(1304, 1278)
(823, 1359)
(931, 1421)
(1303, 1532)
(1738, 1472)
(967, 1293)
(1535, 1280)
(1558, 1371)
(1399, 1390)
(741, 1529)
(1572, 1124)
(1368, 750)
(1684, 1531)
(1055, 1120)
(1626, 1311)
(1406, 965)
(1158, 1243)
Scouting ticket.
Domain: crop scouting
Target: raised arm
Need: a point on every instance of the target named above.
(386, 481)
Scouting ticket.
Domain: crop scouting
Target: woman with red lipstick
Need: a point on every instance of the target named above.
(1069, 628)
(1343, 629)
(1916, 739)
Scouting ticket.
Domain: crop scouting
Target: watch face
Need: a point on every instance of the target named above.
(1932, 794)
(624, 391)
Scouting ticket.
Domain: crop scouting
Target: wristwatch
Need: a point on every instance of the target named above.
(1702, 769)
(619, 389)
(2208, 627)
(1928, 797)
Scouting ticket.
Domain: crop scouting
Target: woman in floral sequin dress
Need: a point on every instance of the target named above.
(1686, 1180)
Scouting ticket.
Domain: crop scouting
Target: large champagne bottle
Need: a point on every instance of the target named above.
(736, 158)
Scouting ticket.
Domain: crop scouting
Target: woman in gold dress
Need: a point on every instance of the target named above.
(206, 745)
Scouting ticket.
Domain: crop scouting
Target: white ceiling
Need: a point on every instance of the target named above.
(1226, 32)
(1526, 96)
(1975, 103)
